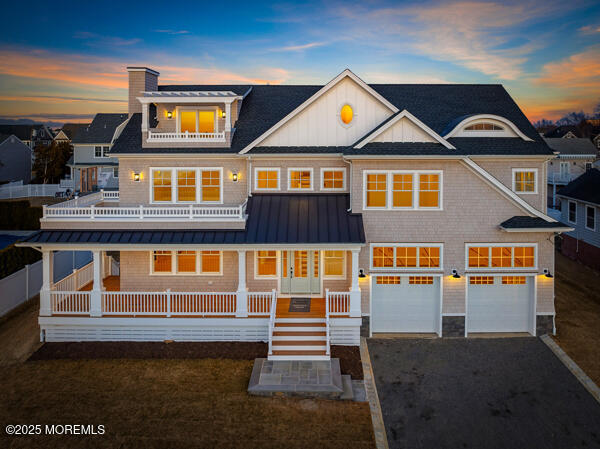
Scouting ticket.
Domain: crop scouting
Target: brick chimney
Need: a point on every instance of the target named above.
(141, 79)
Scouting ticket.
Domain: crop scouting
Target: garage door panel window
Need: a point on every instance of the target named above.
(420, 280)
(499, 257)
(514, 280)
(399, 256)
(406, 189)
(481, 280)
(387, 280)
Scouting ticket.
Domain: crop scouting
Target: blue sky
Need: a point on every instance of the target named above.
(67, 61)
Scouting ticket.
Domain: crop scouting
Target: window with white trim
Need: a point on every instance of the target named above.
(186, 185)
(266, 178)
(334, 264)
(186, 262)
(525, 180)
(115, 172)
(572, 212)
(100, 151)
(300, 178)
(333, 178)
(265, 263)
(484, 126)
(590, 218)
(402, 189)
(405, 256)
(501, 256)
(191, 120)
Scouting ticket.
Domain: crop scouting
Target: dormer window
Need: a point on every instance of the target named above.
(484, 127)
(197, 121)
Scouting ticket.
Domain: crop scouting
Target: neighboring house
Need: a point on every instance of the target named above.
(394, 207)
(15, 160)
(91, 167)
(596, 141)
(580, 208)
(563, 131)
(60, 136)
(574, 157)
(70, 129)
(30, 135)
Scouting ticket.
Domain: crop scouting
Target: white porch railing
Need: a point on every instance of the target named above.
(272, 321)
(338, 302)
(154, 136)
(327, 346)
(110, 195)
(76, 280)
(70, 303)
(259, 303)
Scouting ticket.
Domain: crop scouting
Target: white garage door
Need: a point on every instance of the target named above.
(405, 303)
(500, 303)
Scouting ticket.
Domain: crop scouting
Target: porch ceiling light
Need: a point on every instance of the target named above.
(455, 274)
(361, 273)
(547, 273)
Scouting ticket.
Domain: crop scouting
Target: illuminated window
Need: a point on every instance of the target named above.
(524, 181)
(186, 185)
(407, 257)
(187, 121)
(334, 262)
(429, 257)
(484, 127)
(524, 256)
(514, 280)
(402, 190)
(376, 190)
(429, 190)
(267, 179)
(316, 264)
(186, 261)
(383, 256)
(387, 280)
(284, 263)
(206, 121)
(300, 264)
(346, 114)
(333, 179)
(161, 185)
(162, 262)
(266, 263)
(479, 256)
(192, 121)
(300, 179)
(211, 185)
(210, 262)
(481, 280)
(420, 280)
(501, 257)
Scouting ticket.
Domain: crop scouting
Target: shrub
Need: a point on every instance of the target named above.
(12, 259)
(19, 215)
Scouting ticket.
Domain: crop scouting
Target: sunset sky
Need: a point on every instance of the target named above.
(65, 61)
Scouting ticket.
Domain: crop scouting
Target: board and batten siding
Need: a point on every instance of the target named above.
(404, 131)
(319, 124)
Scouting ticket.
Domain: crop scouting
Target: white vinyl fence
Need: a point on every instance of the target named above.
(26, 283)
(30, 190)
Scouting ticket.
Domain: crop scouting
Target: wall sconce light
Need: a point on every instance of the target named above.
(547, 273)
(169, 114)
(234, 177)
(137, 177)
(361, 274)
(455, 274)
(223, 114)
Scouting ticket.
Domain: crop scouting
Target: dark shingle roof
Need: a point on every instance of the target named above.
(23, 132)
(585, 188)
(525, 222)
(101, 130)
(272, 219)
(571, 146)
(560, 131)
(438, 106)
(70, 129)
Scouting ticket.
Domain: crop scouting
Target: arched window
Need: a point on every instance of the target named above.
(486, 126)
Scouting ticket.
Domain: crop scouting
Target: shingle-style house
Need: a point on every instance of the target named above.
(573, 158)
(580, 208)
(390, 207)
(563, 132)
(91, 167)
(15, 160)
(30, 135)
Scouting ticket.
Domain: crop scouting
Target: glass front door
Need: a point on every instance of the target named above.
(300, 272)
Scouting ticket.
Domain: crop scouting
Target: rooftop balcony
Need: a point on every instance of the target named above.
(178, 137)
(103, 206)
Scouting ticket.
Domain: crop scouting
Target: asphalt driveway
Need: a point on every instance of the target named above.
(480, 393)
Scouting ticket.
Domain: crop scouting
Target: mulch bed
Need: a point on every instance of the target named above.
(349, 355)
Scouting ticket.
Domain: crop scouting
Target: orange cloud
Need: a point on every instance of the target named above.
(578, 71)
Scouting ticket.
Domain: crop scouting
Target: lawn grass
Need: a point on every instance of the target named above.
(170, 403)
(578, 314)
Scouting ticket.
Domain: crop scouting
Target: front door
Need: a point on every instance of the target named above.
(300, 272)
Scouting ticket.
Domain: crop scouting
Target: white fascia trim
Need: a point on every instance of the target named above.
(179, 100)
(570, 198)
(507, 122)
(413, 119)
(557, 229)
(118, 130)
(315, 96)
(486, 176)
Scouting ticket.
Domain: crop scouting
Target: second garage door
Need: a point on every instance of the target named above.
(500, 303)
(405, 304)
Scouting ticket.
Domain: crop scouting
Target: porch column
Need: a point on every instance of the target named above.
(144, 117)
(355, 295)
(241, 309)
(47, 272)
(96, 293)
(227, 117)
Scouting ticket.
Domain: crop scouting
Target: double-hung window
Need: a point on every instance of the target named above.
(100, 151)
(265, 263)
(590, 218)
(403, 189)
(405, 256)
(266, 178)
(187, 185)
(300, 178)
(186, 262)
(525, 180)
(334, 264)
(504, 256)
(572, 212)
(333, 178)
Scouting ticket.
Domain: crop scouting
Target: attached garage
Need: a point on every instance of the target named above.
(405, 303)
(500, 303)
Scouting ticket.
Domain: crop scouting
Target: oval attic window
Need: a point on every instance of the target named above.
(346, 114)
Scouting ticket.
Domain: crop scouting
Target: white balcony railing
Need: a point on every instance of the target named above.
(561, 178)
(158, 137)
(85, 208)
(338, 302)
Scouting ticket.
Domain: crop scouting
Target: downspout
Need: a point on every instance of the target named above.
(349, 182)
(249, 168)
